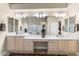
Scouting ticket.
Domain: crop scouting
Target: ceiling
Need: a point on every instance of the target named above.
(37, 5)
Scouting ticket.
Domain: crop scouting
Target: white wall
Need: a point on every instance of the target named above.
(4, 12)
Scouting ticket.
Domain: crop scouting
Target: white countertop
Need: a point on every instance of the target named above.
(48, 37)
(29, 36)
(14, 34)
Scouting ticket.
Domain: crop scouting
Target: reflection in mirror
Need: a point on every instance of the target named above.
(77, 27)
(70, 24)
(66, 25)
(54, 27)
(16, 25)
(33, 24)
(10, 24)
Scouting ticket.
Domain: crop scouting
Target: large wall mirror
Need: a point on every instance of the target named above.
(12, 24)
(33, 24)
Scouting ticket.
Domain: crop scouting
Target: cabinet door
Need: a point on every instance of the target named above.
(52, 46)
(10, 43)
(78, 45)
(62, 45)
(72, 45)
(19, 43)
(28, 46)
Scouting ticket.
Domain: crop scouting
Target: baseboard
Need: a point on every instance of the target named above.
(4, 53)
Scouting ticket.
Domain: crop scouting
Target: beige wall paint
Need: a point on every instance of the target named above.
(2, 42)
(3, 18)
(4, 12)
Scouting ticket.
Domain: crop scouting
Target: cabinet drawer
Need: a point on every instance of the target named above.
(28, 47)
(52, 46)
(28, 44)
(52, 43)
(28, 41)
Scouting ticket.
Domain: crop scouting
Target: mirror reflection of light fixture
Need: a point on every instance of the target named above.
(60, 14)
(20, 15)
(25, 15)
(40, 15)
(43, 22)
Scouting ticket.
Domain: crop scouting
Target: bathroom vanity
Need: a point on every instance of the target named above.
(35, 44)
(53, 42)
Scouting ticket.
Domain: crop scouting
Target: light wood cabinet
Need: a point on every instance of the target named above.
(15, 43)
(72, 45)
(56, 46)
(28, 46)
(62, 45)
(19, 43)
(10, 43)
(78, 45)
(52, 46)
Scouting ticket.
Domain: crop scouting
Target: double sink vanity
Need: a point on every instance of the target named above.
(35, 44)
(48, 41)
